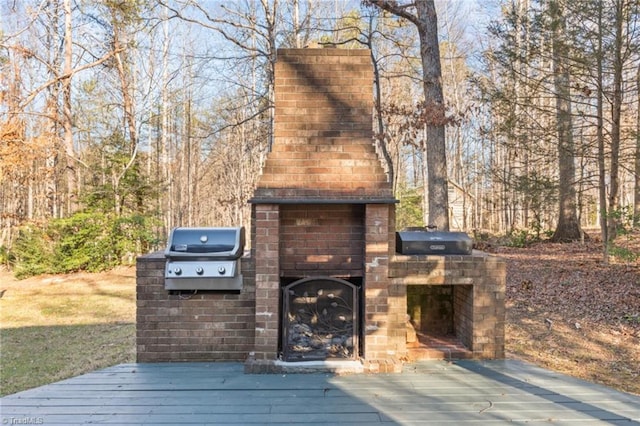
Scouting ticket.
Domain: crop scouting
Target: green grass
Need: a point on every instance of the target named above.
(34, 356)
(55, 327)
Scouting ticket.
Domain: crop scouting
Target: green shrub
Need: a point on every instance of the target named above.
(519, 238)
(409, 210)
(32, 252)
(622, 253)
(86, 241)
(82, 243)
(132, 235)
(5, 256)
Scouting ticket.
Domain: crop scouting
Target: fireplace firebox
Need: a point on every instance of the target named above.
(320, 319)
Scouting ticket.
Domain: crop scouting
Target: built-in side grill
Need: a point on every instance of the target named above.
(424, 241)
(204, 259)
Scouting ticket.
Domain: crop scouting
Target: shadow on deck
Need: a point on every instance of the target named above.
(426, 392)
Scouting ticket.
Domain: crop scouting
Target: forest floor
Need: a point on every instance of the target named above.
(567, 311)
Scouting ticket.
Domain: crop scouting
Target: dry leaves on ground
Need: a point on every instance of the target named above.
(570, 311)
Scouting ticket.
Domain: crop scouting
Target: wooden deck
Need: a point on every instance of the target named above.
(428, 392)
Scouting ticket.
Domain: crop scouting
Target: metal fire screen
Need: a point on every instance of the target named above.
(320, 320)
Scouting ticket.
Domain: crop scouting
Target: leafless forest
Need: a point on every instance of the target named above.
(161, 111)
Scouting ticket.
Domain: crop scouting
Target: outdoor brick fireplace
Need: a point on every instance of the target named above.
(323, 281)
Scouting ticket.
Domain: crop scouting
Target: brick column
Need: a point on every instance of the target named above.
(384, 310)
(267, 254)
(489, 308)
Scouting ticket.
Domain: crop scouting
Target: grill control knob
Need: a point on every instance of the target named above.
(177, 271)
(222, 270)
(204, 239)
(199, 270)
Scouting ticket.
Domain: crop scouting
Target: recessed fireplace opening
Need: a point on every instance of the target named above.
(321, 319)
(441, 319)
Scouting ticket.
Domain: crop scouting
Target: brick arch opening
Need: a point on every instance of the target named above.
(320, 319)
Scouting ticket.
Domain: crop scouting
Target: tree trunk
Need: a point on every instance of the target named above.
(163, 174)
(436, 147)
(636, 192)
(426, 22)
(125, 76)
(614, 220)
(568, 228)
(602, 188)
(67, 117)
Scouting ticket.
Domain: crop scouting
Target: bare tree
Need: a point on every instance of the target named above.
(252, 31)
(621, 50)
(67, 117)
(422, 14)
(568, 228)
(602, 187)
(636, 191)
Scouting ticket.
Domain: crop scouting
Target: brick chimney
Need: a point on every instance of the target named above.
(323, 146)
(323, 206)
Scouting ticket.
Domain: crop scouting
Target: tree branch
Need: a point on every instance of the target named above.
(58, 78)
(393, 7)
(235, 124)
(212, 20)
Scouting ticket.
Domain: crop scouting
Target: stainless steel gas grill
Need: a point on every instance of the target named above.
(204, 259)
(423, 241)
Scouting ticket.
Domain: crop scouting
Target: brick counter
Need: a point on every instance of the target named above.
(205, 326)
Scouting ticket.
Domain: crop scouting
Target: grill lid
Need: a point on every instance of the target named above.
(422, 241)
(210, 243)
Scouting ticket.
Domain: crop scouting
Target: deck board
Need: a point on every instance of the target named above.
(428, 392)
